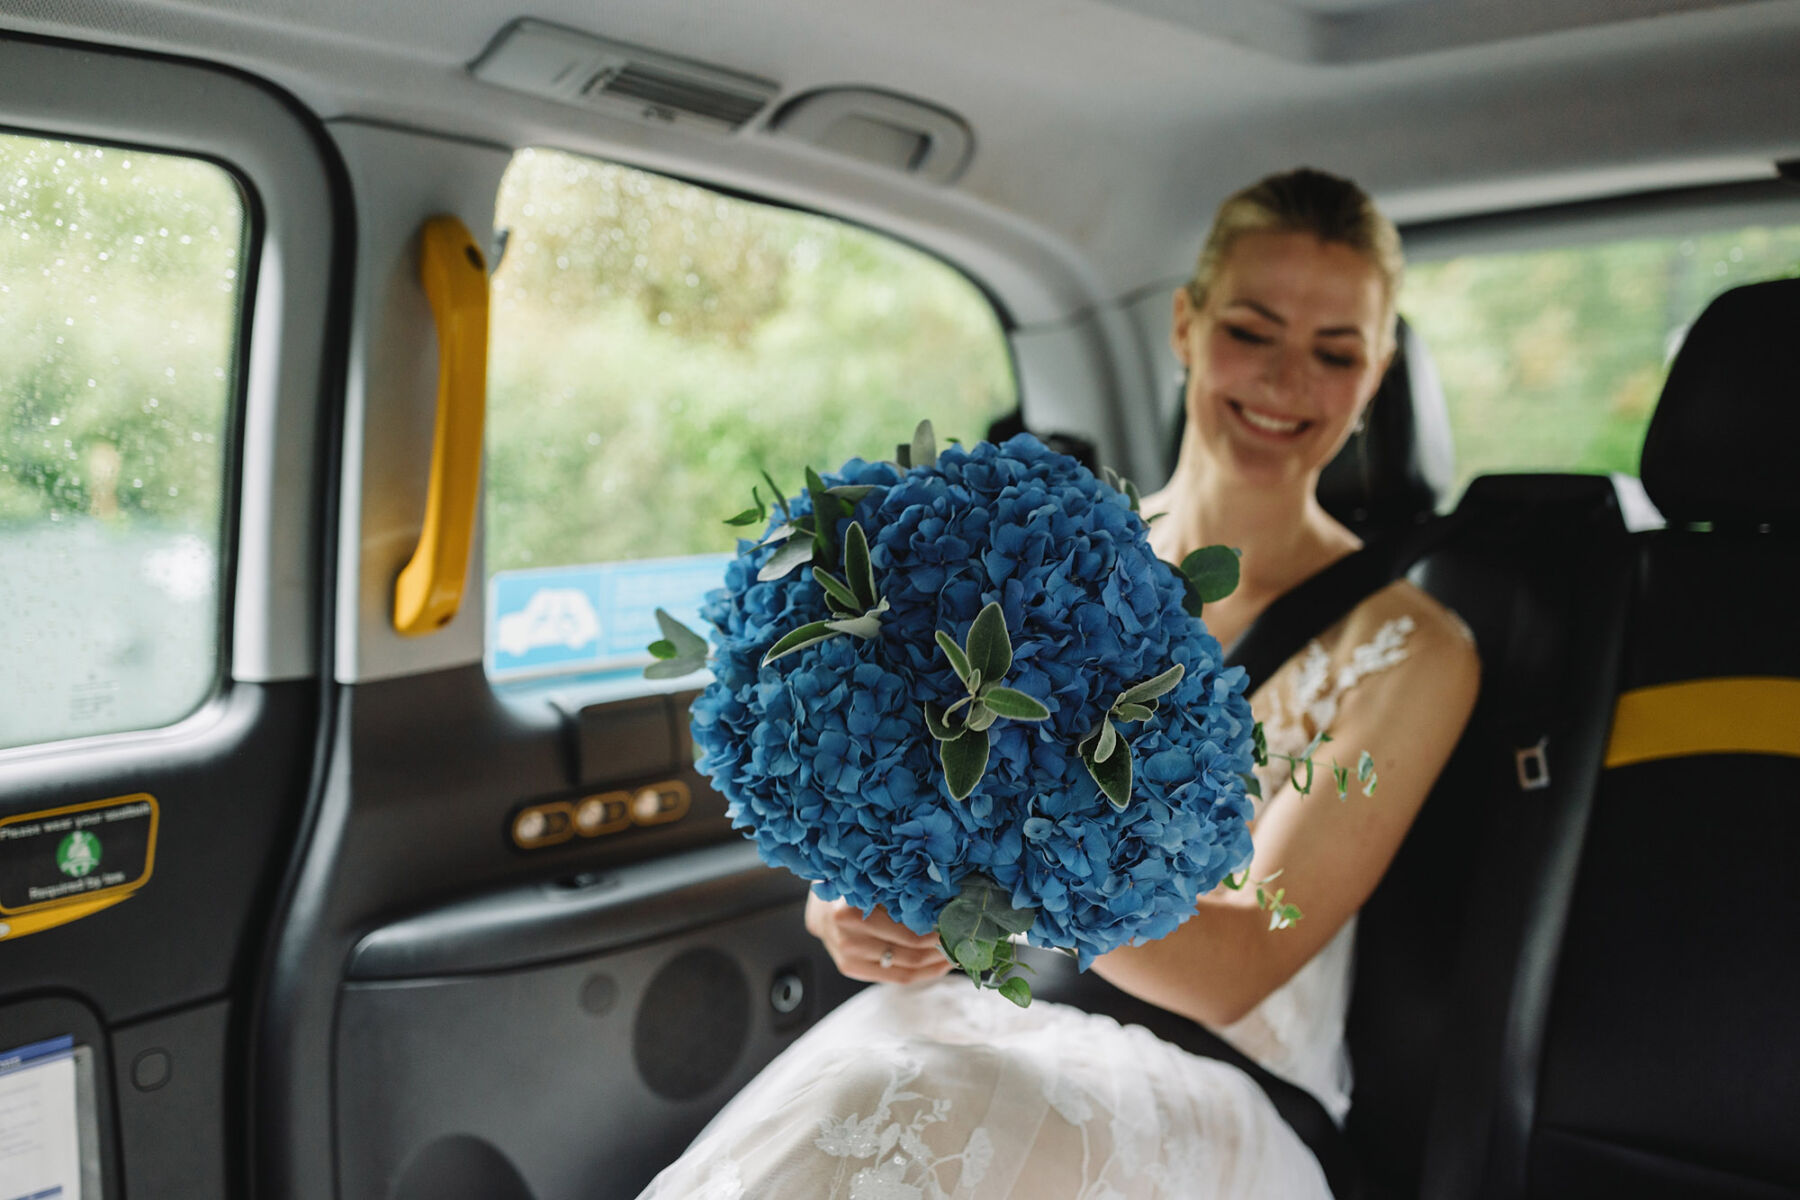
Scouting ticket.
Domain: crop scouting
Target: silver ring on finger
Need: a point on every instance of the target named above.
(887, 958)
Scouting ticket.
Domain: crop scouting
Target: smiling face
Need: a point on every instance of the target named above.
(1282, 356)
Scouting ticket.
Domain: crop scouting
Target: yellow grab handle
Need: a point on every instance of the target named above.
(429, 590)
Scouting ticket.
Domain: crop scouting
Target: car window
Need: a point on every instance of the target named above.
(654, 347)
(1552, 360)
(120, 279)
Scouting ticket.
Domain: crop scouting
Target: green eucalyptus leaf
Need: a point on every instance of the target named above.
(937, 725)
(1017, 990)
(975, 955)
(958, 921)
(663, 648)
(799, 639)
(1294, 776)
(1235, 883)
(965, 760)
(1131, 494)
(924, 445)
(1259, 745)
(1150, 689)
(1010, 702)
(1134, 712)
(1191, 603)
(980, 716)
(990, 649)
(784, 560)
(1213, 570)
(1110, 478)
(857, 571)
(1113, 774)
(688, 644)
(995, 905)
(1252, 785)
(674, 668)
(959, 662)
(1365, 767)
(903, 456)
(1341, 777)
(851, 493)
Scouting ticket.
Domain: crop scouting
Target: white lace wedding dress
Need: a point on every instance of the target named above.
(940, 1092)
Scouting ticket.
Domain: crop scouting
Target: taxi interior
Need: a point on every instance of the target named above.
(310, 898)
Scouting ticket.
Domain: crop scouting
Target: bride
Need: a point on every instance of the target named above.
(926, 1088)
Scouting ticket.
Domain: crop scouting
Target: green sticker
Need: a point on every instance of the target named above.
(78, 854)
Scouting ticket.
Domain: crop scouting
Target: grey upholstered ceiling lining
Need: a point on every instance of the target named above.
(1105, 130)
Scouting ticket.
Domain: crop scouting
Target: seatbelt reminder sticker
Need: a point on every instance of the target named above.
(81, 852)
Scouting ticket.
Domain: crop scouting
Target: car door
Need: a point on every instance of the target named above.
(171, 239)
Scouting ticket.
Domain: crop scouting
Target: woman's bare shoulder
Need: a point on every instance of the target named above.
(1410, 618)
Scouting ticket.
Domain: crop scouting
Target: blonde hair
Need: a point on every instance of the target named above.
(1303, 200)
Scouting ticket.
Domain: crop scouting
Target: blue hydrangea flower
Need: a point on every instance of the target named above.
(825, 760)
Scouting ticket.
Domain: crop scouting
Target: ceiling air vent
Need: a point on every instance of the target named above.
(628, 81)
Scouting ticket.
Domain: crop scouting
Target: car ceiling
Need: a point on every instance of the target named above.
(1105, 131)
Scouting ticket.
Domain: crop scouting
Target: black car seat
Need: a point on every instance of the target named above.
(1659, 1053)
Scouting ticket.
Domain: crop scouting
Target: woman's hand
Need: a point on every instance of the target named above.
(875, 948)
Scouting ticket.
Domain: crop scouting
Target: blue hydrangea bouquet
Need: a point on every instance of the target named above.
(962, 686)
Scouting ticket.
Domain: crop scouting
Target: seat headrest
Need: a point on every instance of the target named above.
(1724, 445)
(1399, 469)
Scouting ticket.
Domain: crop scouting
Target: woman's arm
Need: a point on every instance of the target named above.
(1225, 960)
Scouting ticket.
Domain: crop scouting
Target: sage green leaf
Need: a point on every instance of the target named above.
(1113, 774)
(903, 456)
(1319, 739)
(1131, 494)
(1017, 990)
(965, 760)
(959, 662)
(1341, 777)
(1107, 743)
(1259, 745)
(784, 560)
(1252, 785)
(837, 592)
(1213, 571)
(1365, 767)
(799, 639)
(990, 649)
(924, 446)
(1153, 687)
(865, 627)
(688, 644)
(935, 723)
(784, 530)
(974, 681)
(975, 955)
(663, 648)
(1294, 776)
(1191, 603)
(857, 571)
(1010, 702)
(674, 668)
(1134, 712)
(980, 716)
(1235, 883)
(851, 493)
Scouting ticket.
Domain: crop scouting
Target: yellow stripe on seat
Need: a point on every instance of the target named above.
(1706, 716)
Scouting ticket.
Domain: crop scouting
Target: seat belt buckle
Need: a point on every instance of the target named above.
(1533, 766)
